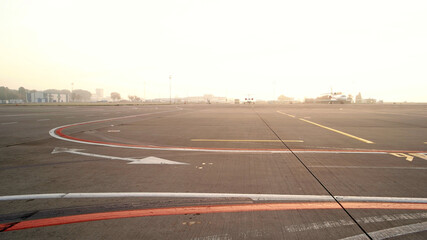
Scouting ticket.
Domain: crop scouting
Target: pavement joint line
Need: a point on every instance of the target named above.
(316, 178)
(242, 140)
(337, 131)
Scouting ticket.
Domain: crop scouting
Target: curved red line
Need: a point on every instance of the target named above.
(205, 209)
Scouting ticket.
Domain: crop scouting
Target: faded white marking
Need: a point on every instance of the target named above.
(346, 222)
(225, 236)
(7, 123)
(20, 115)
(147, 160)
(42, 120)
(392, 232)
(113, 131)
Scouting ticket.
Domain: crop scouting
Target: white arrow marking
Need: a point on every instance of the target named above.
(147, 160)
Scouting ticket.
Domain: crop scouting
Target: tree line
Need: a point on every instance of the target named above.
(7, 94)
(77, 95)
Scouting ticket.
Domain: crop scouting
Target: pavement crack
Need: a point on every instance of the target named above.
(313, 175)
(4, 227)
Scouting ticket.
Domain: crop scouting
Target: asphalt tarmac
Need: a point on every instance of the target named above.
(214, 172)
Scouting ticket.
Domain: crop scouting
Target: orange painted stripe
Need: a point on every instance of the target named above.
(207, 209)
(384, 205)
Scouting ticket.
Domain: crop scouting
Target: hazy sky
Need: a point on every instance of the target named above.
(227, 48)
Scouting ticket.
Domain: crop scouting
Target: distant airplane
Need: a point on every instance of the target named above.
(249, 100)
(333, 97)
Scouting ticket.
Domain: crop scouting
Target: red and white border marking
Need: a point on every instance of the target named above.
(58, 133)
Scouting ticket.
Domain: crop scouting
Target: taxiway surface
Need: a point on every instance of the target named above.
(214, 172)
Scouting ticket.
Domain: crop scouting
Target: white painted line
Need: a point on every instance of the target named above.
(147, 160)
(367, 167)
(44, 119)
(8, 123)
(70, 117)
(254, 197)
(392, 232)
(32, 196)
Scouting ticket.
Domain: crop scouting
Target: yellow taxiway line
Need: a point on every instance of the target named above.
(286, 114)
(337, 131)
(241, 140)
(328, 128)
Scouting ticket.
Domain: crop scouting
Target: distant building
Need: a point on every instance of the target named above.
(41, 97)
(12, 101)
(359, 98)
(57, 97)
(208, 98)
(283, 99)
(369, 101)
(309, 100)
(100, 92)
(36, 97)
(98, 96)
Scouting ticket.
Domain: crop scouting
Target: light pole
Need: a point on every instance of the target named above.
(144, 90)
(72, 89)
(170, 89)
